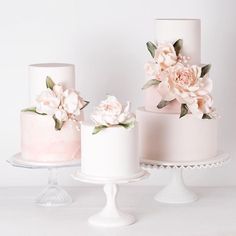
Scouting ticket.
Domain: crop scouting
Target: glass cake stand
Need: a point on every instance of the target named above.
(176, 192)
(53, 195)
(110, 215)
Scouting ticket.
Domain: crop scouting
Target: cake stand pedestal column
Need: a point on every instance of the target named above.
(176, 192)
(53, 195)
(110, 215)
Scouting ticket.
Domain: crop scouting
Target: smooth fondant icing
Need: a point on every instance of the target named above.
(165, 137)
(111, 153)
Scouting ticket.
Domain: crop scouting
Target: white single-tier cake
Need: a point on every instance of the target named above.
(176, 123)
(111, 153)
(50, 127)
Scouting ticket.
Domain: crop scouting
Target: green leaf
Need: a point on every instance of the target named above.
(205, 70)
(32, 109)
(206, 116)
(128, 125)
(151, 48)
(49, 83)
(97, 129)
(162, 104)
(86, 104)
(184, 110)
(152, 82)
(58, 124)
(178, 46)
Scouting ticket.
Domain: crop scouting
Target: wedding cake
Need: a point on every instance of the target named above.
(178, 122)
(109, 143)
(50, 129)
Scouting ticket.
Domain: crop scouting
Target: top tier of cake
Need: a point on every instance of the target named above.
(189, 30)
(60, 73)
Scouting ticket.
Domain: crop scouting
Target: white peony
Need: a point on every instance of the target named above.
(110, 112)
(72, 102)
(61, 115)
(47, 102)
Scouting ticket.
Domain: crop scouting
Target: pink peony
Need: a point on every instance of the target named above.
(165, 55)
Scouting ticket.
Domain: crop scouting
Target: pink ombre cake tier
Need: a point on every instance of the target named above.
(40, 142)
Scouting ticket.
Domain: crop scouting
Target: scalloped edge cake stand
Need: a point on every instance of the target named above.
(111, 215)
(52, 195)
(176, 192)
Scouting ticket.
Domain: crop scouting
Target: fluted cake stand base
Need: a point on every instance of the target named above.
(52, 195)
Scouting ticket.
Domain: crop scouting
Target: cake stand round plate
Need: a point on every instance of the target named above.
(176, 192)
(18, 161)
(111, 215)
(53, 195)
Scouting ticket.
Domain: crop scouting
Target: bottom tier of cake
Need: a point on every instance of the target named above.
(41, 142)
(111, 153)
(165, 137)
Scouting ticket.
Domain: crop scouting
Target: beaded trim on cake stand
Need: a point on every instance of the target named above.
(110, 215)
(53, 195)
(176, 192)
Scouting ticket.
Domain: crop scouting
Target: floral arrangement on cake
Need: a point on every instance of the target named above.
(176, 79)
(62, 104)
(110, 113)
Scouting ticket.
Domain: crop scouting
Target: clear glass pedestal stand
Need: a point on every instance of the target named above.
(53, 194)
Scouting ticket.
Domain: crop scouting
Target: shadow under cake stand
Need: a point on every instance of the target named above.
(53, 194)
(110, 215)
(176, 192)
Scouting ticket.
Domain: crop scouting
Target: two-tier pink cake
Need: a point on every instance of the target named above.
(50, 129)
(177, 122)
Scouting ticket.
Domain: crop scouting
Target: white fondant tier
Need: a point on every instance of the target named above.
(170, 30)
(60, 73)
(41, 142)
(165, 137)
(111, 153)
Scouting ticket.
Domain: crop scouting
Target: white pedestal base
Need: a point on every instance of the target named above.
(176, 191)
(111, 216)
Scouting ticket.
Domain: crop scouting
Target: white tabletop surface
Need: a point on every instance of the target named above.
(214, 214)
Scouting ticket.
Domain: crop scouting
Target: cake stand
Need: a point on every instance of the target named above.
(176, 192)
(53, 195)
(111, 215)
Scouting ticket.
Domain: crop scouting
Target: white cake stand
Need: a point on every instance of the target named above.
(111, 215)
(53, 195)
(176, 192)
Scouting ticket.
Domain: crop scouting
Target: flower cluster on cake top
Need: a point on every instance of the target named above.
(110, 113)
(176, 79)
(60, 103)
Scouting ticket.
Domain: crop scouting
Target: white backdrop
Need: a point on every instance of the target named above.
(106, 39)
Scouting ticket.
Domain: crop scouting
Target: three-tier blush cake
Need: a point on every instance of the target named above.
(109, 143)
(50, 129)
(178, 122)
